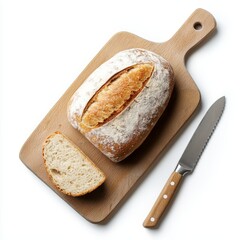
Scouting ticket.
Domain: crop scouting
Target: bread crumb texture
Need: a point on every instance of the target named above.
(71, 171)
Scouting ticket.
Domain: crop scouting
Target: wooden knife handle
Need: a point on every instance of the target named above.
(163, 200)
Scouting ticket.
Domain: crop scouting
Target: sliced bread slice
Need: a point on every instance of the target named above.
(70, 170)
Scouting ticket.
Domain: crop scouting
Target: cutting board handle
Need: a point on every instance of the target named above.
(197, 27)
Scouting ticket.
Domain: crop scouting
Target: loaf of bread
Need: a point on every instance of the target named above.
(117, 106)
(70, 170)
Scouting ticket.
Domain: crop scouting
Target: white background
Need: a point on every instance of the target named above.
(44, 46)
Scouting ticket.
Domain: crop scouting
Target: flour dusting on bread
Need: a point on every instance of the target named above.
(125, 132)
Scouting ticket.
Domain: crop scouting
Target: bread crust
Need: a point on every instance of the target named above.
(126, 131)
(83, 155)
(114, 96)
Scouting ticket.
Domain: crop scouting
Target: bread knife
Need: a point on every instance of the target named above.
(187, 162)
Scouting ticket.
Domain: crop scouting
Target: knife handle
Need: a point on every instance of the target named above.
(163, 200)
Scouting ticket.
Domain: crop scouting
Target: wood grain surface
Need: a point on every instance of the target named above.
(123, 177)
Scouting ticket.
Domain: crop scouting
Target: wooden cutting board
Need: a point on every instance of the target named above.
(123, 177)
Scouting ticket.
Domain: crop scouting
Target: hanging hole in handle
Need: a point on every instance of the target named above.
(197, 26)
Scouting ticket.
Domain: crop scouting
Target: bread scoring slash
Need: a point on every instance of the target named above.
(117, 106)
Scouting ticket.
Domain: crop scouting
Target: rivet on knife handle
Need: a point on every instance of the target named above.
(163, 200)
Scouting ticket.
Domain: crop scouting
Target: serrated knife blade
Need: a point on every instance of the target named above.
(187, 162)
